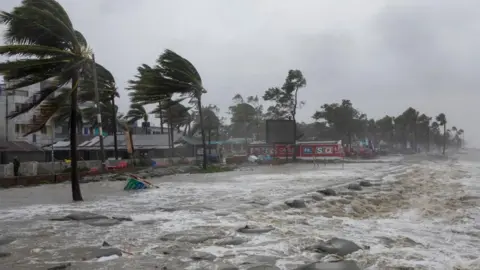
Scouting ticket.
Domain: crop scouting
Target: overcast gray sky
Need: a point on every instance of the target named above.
(384, 55)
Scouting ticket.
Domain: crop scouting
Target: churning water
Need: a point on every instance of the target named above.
(420, 212)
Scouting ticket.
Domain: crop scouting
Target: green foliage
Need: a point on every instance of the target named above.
(45, 47)
(171, 75)
(285, 98)
(136, 112)
(246, 117)
(343, 118)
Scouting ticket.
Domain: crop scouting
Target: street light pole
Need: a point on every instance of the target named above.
(99, 112)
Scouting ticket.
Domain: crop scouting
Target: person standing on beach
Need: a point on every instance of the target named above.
(16, 166)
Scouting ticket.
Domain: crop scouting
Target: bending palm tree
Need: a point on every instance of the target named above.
(137, 112)
(172, 74)
(41, 37)
(180, 76)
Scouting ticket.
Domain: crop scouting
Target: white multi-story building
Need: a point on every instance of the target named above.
(15, 129)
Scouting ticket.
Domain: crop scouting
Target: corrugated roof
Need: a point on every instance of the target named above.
(140, 141)
(18, 146)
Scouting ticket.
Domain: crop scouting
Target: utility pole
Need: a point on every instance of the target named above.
(2, 89)
(53, 149)
(99, 112)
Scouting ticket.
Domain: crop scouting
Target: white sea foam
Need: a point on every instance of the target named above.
(420, 217)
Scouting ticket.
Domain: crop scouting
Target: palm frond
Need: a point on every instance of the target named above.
(32, 50)
(41, 23)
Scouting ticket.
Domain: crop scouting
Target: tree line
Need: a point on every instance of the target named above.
(44, 47)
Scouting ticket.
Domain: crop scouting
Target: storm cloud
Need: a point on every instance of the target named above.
(383, 55)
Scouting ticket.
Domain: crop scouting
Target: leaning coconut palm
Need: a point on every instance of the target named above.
(147, 88)
(137, 112)
(180, 76)
(45, 46)
(172, 74)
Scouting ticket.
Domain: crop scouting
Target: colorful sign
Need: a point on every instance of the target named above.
(308, 150)
(280, 150)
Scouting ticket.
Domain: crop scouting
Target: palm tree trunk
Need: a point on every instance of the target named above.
(114, 121)
(161, 121)
(428, 139)
(202, 131)
(170, 131)
(172, 140)
(209, 141)
(76, 192)
(444, 138)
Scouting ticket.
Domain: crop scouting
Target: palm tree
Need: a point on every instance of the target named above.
(442, 121)
(460, 133)
(137, 112)
(423, 123)
(177, 116)
(211, 123)
(107, 89)
(172, 74)
(45, 46)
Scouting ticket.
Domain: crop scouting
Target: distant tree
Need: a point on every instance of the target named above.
(410, 116)
(343, 117)
(285, 98)
(442, 121)
(386, 128)
(245, 117)
(423, 127)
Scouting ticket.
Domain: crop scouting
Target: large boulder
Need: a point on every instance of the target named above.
(60, 267)
(365, 183)
(342, 265)
(224, 266)
(106, 252)
(338, 246)
(5, 240)
(249, 229)
(354, 186)
(296, 203)
(200, 255)
(263, 267)
(103, 222)
(80, 216)
(5, 254)
(327, 192)
(231, 241)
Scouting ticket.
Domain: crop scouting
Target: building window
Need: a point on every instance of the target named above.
(17, 128)
(44, 130)
(18, 107)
